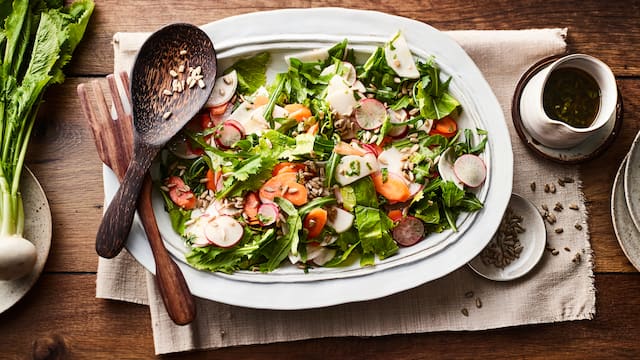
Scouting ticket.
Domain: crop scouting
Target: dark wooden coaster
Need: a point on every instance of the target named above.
(563, 156)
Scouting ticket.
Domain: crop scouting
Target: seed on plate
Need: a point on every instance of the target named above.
(197, 70)
(544, 207)
(166, 115)
(464, 311)
(555, 252)
(567, 249)
(558, 207)
(547, 188)
(552, 188)
(560, 181)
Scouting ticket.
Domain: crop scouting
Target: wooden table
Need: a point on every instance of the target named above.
(64, 158)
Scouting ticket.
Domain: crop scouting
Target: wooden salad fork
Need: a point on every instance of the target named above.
(114, 142)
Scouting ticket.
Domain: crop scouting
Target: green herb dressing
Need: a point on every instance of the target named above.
(572, 96)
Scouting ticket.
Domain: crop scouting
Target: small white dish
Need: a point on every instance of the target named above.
(38, 229)
(627, 233)
(557, 134)
(533, 241)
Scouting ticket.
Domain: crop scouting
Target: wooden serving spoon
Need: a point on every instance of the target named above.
(157, 117)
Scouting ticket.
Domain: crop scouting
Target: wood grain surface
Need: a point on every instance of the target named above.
(63, 156)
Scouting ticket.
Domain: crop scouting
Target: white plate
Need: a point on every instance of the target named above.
(533, 241)
(37, 228)
(631, 181)
(626, 232)
(289, 31)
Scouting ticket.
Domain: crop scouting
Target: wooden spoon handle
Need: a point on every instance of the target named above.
(175, 293)
(116, 222)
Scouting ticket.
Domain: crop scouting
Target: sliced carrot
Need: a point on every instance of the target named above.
(315, 221)
(218, 110)
(212, 179)
(313, 129)
(260, 100)
(285, 167)
(395, 215)
(251, 205)
(342, 148)
(284, 185)
(298, 112)
(446, 127)
(394, 188)
(179, 194)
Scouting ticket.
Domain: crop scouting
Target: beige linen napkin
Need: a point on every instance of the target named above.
(560, 288)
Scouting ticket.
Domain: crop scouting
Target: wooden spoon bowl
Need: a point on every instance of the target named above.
(157, 117)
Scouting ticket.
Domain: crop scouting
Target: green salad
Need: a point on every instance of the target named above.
(332, 163)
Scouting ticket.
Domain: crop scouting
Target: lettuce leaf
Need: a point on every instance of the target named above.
(252, 72)
(373, 227)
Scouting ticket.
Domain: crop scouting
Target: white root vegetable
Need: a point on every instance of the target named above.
(399, 57)
(223, 89)
(17, 257)
(353, 167)
(445, 167)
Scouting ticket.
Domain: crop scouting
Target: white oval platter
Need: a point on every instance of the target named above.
(289, 31)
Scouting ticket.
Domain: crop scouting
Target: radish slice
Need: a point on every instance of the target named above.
(399, 57)
(445, 168)
(224, 231)
(398, 117)
(223, 89)
(268, 214)
(470, 169)
(229, 133)
(370, 114)
(409, 231)
(414, 189)
(340, 220)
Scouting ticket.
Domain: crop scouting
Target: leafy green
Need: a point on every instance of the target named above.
(252, 72)
(37, 39)
(227, 260)
(430, 93)
(373, 227)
